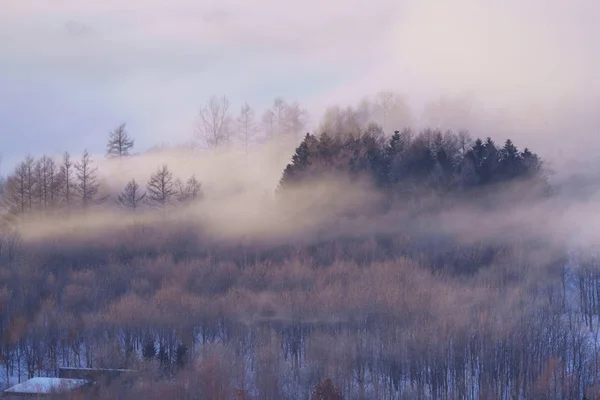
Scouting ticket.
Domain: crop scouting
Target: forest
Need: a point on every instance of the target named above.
(387, 259)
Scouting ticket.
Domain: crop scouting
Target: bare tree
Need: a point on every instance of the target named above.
(268, 123)
(214, 124)
(131, 196)
(465, 142)
(46, 182)
(279, 108)
(17, 190)
(246, 124)
(337, 121)
(189, 191)
(29, 170)
(284, 119)
(295, 119)
(86, 173)
(119, 142)
(364, 112)
(394, 110)
(161, 187)
(385, 102)
(66, 180)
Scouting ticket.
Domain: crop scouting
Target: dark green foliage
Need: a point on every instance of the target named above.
(301, 161)
(408, 164)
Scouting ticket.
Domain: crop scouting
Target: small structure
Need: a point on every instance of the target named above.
(96, 375)
(44, 387)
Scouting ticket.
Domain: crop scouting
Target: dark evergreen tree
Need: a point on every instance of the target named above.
(163, 356)
(489, 163)
(509, 164)
(369, 158)
(403, 166)
(420, 160)
(395, 156)
(301, 161)
(531, 164)
(149, 348)
(181, 355)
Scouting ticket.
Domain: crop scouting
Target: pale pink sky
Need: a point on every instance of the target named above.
(78, 67)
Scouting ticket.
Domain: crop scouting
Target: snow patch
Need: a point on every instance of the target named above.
(46, 385)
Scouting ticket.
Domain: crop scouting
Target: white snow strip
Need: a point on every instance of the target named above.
(46, 385)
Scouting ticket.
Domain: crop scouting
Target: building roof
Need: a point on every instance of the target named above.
(46, 385)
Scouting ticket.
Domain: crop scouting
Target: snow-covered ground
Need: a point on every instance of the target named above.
(41, 385)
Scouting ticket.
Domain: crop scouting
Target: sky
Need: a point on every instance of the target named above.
(71, 70)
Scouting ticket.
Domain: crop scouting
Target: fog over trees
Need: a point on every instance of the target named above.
(391, 259)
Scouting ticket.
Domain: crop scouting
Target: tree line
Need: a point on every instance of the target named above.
(45, 185)
(409, 164)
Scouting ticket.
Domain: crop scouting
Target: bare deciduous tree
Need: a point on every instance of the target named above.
(214, 122)
(132, 196)
(284, 119)
(119, 142)
(161, 187)
(246, 125)
(17, 190)
(279, 107)
(348, 121)
(385, 102)
(189, 191)
(67, 184)
(465, 142)
(29, 170)
(295, 119)
(394, 111)
(87, 185)
(273, 119)
(268, 123)
(46, 186)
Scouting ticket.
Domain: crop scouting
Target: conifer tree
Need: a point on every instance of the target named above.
(66, 181)
(16, 192)
(189, 191)
(87, 179)
(132, 196)
(246, 126)
(161, 187)
(119, 143)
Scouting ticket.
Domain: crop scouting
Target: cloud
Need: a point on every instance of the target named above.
(153, 63)
(500, 50)
(531, 67)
